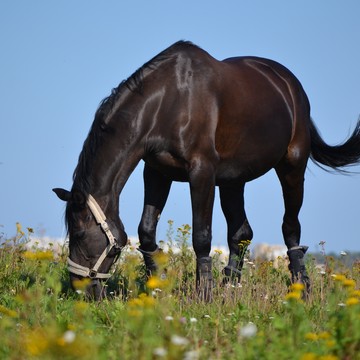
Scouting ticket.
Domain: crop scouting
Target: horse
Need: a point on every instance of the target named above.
(195, 119)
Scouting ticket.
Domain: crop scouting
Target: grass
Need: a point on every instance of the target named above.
(261, 318)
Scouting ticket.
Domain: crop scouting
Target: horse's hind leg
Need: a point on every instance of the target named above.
(291, 176)
(239, 231)
(156, 188)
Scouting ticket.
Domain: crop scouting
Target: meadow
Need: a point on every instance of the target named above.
(264, 317)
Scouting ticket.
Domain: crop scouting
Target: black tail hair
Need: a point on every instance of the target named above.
(335, 158)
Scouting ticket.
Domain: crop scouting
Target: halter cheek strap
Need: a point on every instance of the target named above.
(100, 220)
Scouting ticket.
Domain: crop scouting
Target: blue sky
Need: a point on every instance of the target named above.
(60, 59)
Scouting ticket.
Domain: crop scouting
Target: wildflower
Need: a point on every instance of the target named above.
(39, 255)
(8, 312)
(67, 338)
(161, 352)
(193, 320)
(330, 343)
(355, 293)
(297, 287)
(352, 301)
(147, 301)
(191, 355)
(244, 243)
(19, 229)
(338, 277)
(324, 335)
(134, 313)
(311, 336)
(293, 295)
(81, 306)
(218, 251)
(179, 340)
(328, 357)
(341, 304)
(161, 258)
(81, 284)
(206, 316)
(36, 343)
(349, 283)
(343, 253)
(248, 331)
(169, 318)
(309, 356)
(155, 282)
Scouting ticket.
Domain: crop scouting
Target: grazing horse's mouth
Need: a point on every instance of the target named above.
(95, 288)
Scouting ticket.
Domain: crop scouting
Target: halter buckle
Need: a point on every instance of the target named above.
(92, 274)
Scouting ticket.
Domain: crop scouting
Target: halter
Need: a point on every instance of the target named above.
(100, 218)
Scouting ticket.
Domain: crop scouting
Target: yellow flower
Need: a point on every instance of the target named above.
(352, 301)
(330, 343)
(328, 357)
(80, 306)
(36, 343)
(308, 356)
(81, 284)
(293, 295)
(297, 287)
(39, 255)
(161, 259)
(311, 336)
(244, 243)
(143, 301)
(324, 335)
(339, 277)
(349, 283)
(355, 293)
(8, 312)
(19, 229)
(134, 313)
(217, 251)
(155, 282)
(148, 301)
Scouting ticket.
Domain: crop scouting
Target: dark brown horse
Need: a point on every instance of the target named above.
(211, 123)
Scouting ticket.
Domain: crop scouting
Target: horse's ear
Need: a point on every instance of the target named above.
(62, 194)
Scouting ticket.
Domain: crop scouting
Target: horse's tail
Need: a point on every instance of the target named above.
(335, 157)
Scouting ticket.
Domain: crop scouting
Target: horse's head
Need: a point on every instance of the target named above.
(94, 241)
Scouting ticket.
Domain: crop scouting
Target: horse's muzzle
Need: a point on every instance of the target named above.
(94, 291)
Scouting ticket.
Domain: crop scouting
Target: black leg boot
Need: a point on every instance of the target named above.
(149, 261)
(232, 271)
(297, 266)
(204, 279)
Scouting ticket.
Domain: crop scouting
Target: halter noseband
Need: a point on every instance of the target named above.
(100, 220)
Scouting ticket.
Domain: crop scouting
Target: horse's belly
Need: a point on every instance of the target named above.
(169, 165)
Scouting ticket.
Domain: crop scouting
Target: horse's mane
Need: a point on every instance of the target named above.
(134, 83)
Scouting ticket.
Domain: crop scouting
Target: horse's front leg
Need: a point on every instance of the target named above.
(239, 231)
(202, 188)
(156, 191)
